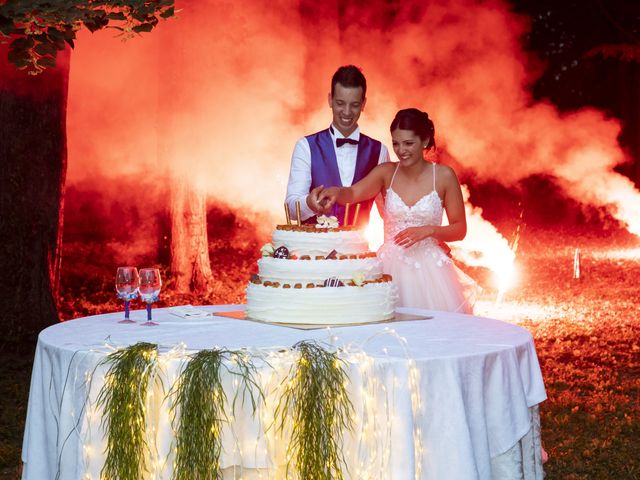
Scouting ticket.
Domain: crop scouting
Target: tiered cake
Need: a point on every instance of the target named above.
(320, 274)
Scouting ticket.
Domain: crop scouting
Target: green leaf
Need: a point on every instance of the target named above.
(46, 62)
(19, 58)
(169, 12)
(46, 49)
(23, 43)
(56, 37)
(6, 26)
(143, 27)
(116, 16)
(69, 34)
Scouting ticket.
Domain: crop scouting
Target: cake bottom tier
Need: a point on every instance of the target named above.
(372, 302)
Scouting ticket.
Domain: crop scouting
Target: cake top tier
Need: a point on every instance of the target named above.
(314, 228)
(309, 240)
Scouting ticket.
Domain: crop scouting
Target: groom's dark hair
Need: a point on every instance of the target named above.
(349, 76)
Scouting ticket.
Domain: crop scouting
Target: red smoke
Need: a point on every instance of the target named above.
(222, 91)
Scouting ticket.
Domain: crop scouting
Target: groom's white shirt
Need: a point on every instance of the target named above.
(299, 184)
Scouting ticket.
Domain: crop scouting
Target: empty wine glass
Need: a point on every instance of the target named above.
(150, 284)
(127, 283)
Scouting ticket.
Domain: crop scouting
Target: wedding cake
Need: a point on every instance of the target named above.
(320, 274)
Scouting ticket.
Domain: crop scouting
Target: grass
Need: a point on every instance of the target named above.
(587, 335)
(15, 376)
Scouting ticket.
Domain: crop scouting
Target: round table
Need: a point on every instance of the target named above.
(449, 397)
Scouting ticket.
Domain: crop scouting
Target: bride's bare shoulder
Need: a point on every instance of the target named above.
(446, 173)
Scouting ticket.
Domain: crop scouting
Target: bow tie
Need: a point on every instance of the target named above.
(341, 141)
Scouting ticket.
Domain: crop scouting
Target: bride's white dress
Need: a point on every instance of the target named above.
(426, 277)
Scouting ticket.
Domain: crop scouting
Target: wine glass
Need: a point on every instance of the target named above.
(127, 283)
(150, 284)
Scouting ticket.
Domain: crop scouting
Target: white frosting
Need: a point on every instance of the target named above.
(346, 242)
(317, 271)
(371, 302)
(329, 305)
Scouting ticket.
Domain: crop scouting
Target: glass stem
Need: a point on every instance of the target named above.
(149, 312)
(126, 309)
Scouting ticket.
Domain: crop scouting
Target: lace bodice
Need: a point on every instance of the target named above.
(399, 216)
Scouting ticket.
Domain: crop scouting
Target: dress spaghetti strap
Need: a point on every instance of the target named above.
(394, 176)
(434, 176)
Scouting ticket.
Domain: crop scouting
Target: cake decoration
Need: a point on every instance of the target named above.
(267, 250)
(333, 282)
(324, 221)
(358, 278)
(281, 252)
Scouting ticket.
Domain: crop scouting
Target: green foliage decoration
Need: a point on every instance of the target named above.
(200, 400)
(316, 405)
(37, 29)
(122, 400)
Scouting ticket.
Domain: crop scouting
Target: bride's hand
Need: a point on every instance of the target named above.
(409, 236)
(327, 197)
(314, 201)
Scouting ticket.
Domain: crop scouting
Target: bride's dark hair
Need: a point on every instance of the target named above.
(416, 121)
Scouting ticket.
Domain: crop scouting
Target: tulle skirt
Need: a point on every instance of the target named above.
(427, 278)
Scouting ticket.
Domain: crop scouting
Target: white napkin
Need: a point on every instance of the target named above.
(188, 311)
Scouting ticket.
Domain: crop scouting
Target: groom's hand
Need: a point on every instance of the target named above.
(315, 203)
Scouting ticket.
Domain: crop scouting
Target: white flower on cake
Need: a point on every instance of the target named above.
(358, 278)
(267, 250)
(325, 221)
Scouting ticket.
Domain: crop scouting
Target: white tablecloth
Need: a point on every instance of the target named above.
(479, 384)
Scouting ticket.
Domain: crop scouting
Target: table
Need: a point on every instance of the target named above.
(479, 385)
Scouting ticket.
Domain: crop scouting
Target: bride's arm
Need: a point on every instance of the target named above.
(365, 189)
(453, 205)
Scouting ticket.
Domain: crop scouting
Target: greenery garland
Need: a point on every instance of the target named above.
(315, 400)
(200, 399)
(38, 29)
(122, 399)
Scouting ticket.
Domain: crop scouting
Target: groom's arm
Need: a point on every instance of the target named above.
(300, 180)
(384, 154)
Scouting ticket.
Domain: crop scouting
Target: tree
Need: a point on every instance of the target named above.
(36, 37)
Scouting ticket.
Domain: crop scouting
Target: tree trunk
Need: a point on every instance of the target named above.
(33, 156)
(190, 263)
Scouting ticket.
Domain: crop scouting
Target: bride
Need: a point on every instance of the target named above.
(416, 192)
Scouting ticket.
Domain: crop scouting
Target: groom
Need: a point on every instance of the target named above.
(337, 156)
